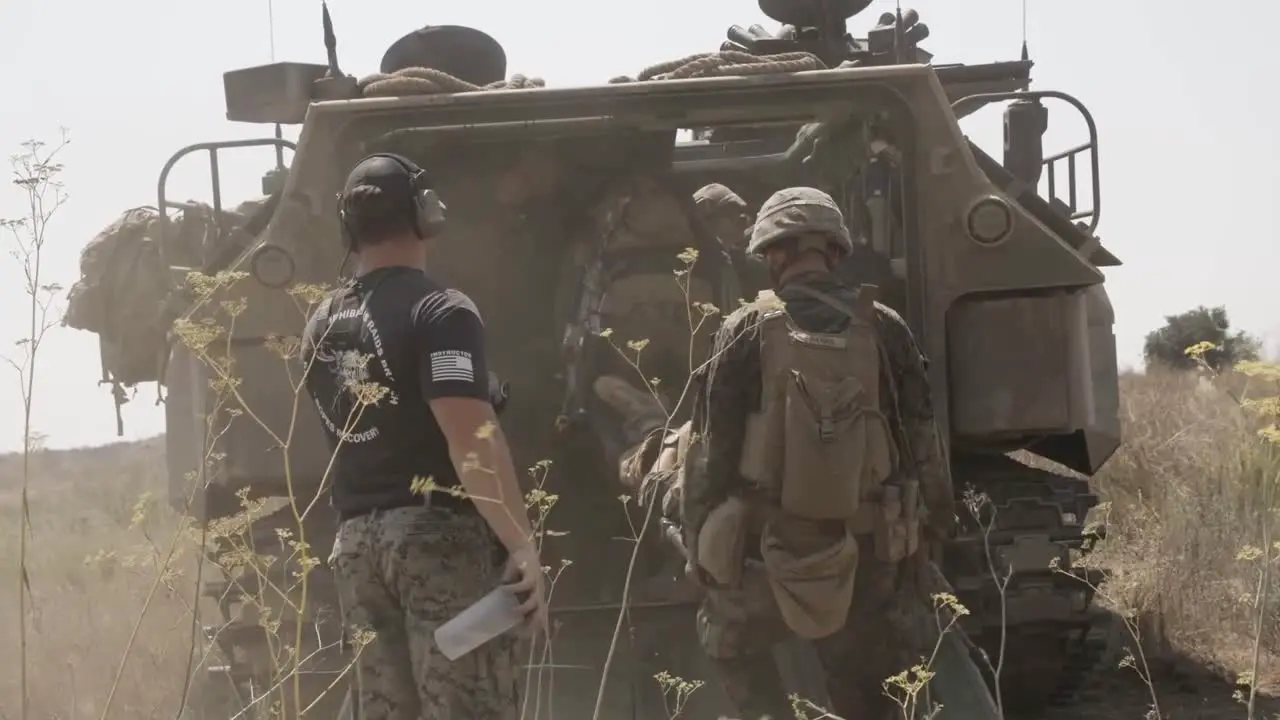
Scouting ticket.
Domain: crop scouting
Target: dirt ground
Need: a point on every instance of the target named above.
(1182, 696)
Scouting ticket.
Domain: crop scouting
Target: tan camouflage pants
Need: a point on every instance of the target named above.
(402, 573)
(739, 627)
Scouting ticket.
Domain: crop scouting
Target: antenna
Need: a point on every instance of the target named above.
(330, 42)
(899, 40)
(334, 85)
(1025, 54)
(271, 27)
(271, 34)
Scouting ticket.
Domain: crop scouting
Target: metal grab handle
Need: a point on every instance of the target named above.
(971, 103)
(162, 202)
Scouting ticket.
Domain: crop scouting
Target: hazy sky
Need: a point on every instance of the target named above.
(1189, 143)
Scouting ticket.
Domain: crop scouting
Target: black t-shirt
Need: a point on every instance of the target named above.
(396, 333)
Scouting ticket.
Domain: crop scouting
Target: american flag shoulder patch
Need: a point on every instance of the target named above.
(452, 366)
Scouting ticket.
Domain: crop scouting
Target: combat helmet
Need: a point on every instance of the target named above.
(798, 211)
(716, 196)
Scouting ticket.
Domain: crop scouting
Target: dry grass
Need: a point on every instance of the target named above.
(91, 567)
(1184, 498)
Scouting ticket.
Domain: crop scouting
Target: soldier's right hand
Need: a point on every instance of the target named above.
(694, 573)
(525, 578)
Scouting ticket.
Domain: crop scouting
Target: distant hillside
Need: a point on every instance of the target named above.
(55, 461)
(114, 472)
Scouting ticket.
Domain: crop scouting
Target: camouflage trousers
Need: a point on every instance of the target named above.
(738, 629)
(401, 574)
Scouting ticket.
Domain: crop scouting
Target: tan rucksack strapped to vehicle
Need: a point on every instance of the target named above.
(120, 297)
(123, 294)
(124, 286)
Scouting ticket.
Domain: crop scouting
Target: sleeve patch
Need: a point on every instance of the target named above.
(452, 366)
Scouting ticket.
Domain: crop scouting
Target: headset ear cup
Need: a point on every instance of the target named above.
(427, 211)
(431, 214)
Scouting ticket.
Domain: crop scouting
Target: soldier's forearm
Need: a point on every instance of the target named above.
(488, 477)
(671, 532)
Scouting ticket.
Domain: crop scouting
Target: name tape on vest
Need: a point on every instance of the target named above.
(835, 342)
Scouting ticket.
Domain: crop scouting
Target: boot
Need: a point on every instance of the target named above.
(642, 413)
(643, 417)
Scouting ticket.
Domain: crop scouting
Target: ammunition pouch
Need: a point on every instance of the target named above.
(896, 523)
(813, 586)
(811, 565)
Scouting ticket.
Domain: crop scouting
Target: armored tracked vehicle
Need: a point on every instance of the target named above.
(1002, 286)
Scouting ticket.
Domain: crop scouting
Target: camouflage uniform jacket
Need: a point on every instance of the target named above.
(730, 389)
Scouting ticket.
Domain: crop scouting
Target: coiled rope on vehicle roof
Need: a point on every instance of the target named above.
(726, 63)
(427, 81)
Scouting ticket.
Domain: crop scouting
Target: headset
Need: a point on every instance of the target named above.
(426, 208)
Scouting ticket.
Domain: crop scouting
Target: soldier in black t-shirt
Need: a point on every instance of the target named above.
(395, 364)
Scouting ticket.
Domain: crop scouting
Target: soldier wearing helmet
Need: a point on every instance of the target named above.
(646, 294)
(819, 471)
(726, 216)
